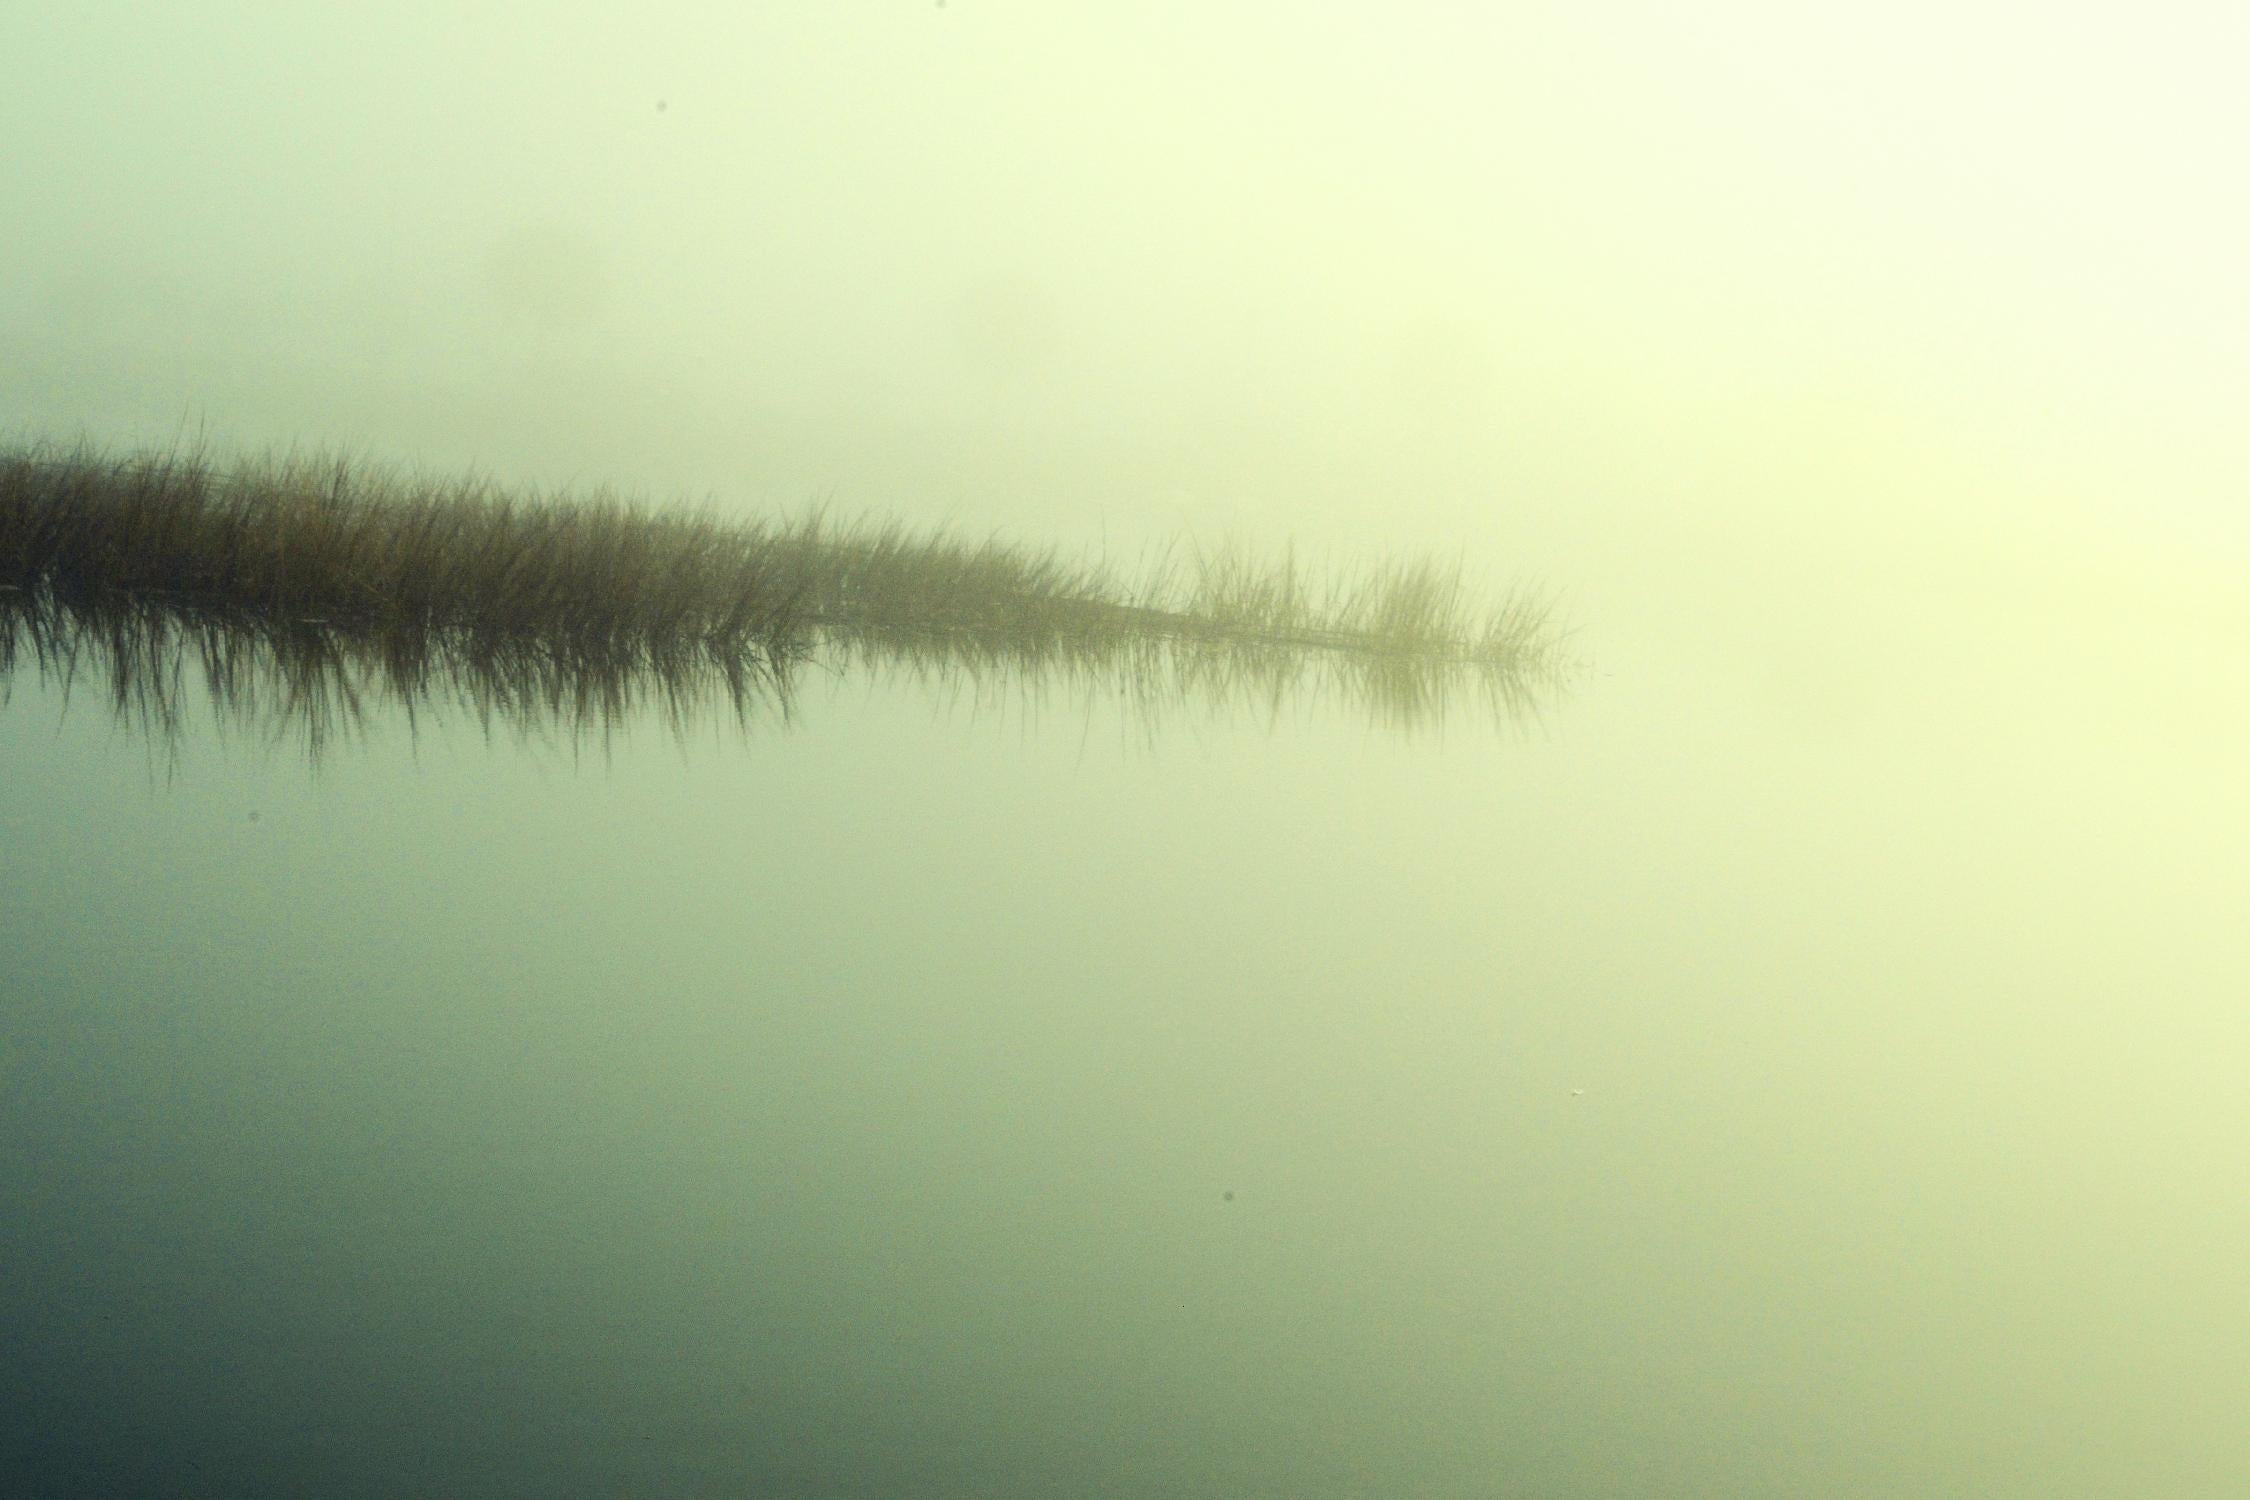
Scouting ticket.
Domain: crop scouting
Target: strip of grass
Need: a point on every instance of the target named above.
(308, 584)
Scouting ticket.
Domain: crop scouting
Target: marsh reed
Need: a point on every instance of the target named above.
(305, 588)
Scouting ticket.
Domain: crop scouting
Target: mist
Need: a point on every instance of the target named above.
(1797, 1063)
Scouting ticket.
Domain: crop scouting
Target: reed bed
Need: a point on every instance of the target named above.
(303, 588)
(297, 541)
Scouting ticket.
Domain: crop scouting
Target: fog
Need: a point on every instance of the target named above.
(1867, 385)
(1777, 326)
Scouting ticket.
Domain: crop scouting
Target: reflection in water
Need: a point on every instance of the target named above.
(316, 681)
(298, 599)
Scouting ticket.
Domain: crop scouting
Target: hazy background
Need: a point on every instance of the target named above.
(1512, 277)
(850, 1114)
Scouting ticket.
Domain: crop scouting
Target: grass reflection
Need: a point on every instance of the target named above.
(299, 596)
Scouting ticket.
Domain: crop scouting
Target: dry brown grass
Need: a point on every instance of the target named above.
(310, 584)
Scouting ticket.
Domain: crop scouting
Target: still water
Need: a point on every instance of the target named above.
(1801, 1059)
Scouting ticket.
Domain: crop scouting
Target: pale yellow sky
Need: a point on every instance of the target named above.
(1518, 277)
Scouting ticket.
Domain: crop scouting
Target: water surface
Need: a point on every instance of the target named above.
(1802, 1059)
(1774, 1071)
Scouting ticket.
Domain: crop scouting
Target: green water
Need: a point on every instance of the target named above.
(1803, 1059)
(1696, 1092)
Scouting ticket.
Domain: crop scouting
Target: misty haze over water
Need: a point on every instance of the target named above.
(1799, 1058)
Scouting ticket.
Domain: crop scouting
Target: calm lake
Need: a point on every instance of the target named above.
(1799, 1056)
(1801, 1060)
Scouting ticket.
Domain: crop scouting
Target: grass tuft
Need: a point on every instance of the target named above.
(305, 587)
